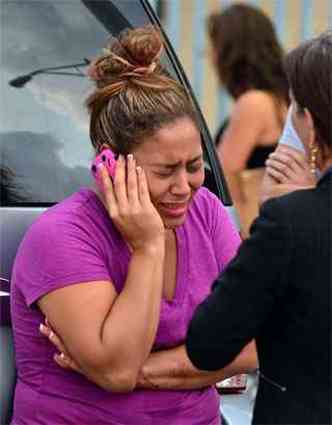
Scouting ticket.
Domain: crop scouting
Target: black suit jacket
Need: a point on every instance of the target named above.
(277, 290)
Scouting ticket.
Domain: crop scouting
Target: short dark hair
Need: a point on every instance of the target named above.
(309, 71)
(249, 55)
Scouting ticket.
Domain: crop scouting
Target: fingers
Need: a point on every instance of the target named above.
(123, 191)
(143, 190)
(286, 164)
(66, 362)
(129, 186)
(62, 361)
(294, 155)
(108, 189)
(45, 330)
(277, 164)
(132, 183)
(120, 189)
(127, 199)
(276, 174)
(55, 340)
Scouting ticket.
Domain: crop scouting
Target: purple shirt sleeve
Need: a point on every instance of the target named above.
(56, 253)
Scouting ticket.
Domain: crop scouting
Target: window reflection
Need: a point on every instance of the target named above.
(10, 192)
(45, 150)
(35, 169)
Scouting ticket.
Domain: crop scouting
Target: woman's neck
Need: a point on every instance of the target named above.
(169, 234)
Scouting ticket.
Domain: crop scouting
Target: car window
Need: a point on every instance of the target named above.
(44, 143)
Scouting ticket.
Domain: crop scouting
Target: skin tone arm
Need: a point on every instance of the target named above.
(168, 369)
(245, 129)
(91, 319)
(287, 169)
(172, 369)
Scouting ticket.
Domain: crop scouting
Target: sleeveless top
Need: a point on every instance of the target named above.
(257, 157)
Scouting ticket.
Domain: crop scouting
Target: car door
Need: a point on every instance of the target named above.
(44, 143)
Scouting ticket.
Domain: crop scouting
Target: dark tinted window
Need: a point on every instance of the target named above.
(44, 144)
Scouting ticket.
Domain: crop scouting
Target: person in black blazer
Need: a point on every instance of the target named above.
(278, 288)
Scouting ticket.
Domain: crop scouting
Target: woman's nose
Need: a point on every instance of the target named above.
(181, 184)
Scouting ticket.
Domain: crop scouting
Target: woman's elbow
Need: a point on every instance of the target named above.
(113, 374)
(120, 382)
(115, 381)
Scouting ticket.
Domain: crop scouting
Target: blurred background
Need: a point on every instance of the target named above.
(185, 25)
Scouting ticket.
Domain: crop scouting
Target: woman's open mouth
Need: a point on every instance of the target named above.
(174, 209)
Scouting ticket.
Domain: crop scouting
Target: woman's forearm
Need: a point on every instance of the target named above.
(173, 370)
(110, 335)
(130, 328)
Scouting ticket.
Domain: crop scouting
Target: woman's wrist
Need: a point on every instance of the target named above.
(153, 247)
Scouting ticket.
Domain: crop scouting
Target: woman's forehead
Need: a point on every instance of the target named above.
(171, 140)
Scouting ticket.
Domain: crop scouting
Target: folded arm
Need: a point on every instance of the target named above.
(110, 335)
(94, 322)
(172, 370)
(169, 369)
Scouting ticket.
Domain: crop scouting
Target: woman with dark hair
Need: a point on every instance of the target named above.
(249, 62)
(119, 270)
(278, 288)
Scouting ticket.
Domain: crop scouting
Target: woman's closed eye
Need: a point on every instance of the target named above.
(191, 169)
(164, 173)
(194, 168)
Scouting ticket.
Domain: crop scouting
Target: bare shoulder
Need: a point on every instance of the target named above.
(257, 110)
(254, 100)
(252, 110)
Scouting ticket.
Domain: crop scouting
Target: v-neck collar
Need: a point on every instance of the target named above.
(181, 266)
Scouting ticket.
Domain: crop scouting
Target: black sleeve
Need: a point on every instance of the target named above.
(244, 294)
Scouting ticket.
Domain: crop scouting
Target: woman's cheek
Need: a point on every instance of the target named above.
(199, 179)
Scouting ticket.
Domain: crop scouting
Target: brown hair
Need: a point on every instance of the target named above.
(309, 71)
(135, 96)
(249, 55)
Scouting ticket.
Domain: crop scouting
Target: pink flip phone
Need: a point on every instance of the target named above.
(107, 158)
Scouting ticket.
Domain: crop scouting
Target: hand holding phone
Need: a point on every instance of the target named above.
(127, 200)
(107, 158)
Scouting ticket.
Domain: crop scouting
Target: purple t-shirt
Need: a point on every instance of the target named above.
(75, 241)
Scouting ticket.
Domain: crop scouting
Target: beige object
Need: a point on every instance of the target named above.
(251, 181)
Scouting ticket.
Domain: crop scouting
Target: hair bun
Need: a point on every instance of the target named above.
(135, 52)
(143, 45)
